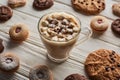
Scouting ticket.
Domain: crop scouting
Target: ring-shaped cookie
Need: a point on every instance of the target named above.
(40, 72)
(19, 32)
(99, 23)
(9, 62)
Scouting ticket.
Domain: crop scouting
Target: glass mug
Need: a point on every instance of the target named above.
(58, 51)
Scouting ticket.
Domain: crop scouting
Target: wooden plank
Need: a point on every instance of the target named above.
(15, 76)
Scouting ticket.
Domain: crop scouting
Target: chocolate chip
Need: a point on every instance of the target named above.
(86, 3)
(112, 68)
(107, 68)
(112, 59)
(118, 65)
(92, 3)
(98, 1)
(113, 52)
(82, 3)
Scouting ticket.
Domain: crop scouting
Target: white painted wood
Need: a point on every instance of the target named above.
(32, 52)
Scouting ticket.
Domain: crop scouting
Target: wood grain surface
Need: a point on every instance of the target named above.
(32, 52)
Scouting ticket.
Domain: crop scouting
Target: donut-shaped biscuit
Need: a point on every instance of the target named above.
(9, 62)
(40, 72)
(19, 32)
(99, 23)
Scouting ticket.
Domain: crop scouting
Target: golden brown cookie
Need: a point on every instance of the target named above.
(99, 24)
(103, 64)
(40, 72)
(19, 32)
(9, 62)
(89, 6)
(16, 3)
(116, 9)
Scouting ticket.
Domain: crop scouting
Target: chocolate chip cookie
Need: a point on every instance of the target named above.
(75, 77)
(89, 6)
(115, 26)
(103, 64)
(16, 3)
(5, 13)
(42, 4)
(116, 9)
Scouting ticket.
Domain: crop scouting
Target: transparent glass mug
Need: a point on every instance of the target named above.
(59, 51)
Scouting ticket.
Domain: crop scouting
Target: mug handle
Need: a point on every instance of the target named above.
(86, 34)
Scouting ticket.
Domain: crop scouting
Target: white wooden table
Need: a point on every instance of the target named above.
(32, 52)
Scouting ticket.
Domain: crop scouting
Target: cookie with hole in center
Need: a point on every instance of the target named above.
(40, 72)
(9, 62)
(89, 6)
(99, 24)
(103, 64)
(19, 32)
